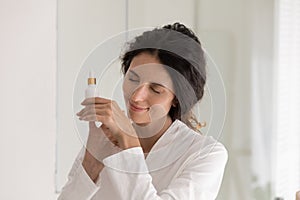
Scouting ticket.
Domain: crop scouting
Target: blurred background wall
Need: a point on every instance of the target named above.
(44, 44)
(28, 99)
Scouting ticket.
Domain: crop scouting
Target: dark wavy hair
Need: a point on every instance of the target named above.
(187, 60)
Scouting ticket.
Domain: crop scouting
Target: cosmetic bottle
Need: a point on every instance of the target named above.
(91, 90)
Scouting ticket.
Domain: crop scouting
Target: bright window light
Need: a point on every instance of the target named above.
(287, 139)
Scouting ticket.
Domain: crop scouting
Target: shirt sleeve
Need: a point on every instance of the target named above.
(199, 179)
(79, 185)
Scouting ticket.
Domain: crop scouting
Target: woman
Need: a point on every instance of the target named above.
(157, 151)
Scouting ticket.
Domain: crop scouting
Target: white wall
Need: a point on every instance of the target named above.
(27, 103)
(249, 24)
(143, 13)
(231, 18)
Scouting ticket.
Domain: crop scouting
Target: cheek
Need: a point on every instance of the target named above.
(157, 111)
(161, 108)
(167, 106)
(169, 100)
(128, 89)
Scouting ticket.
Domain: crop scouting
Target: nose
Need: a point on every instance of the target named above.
(140, 93)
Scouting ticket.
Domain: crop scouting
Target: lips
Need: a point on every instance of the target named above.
(137, 108)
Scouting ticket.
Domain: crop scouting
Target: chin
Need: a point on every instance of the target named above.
(139, 119)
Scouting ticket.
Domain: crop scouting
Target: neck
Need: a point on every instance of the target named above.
(149, 135)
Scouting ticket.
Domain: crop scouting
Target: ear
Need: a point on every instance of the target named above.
(174, 102)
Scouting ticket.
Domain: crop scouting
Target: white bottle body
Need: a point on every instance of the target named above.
(91, 91)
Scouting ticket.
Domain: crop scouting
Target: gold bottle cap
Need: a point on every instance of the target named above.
(91, 81)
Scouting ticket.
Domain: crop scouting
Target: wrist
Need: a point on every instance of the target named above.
(92, 166)
(127, 142)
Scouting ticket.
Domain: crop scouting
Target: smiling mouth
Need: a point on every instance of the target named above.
(136, 108)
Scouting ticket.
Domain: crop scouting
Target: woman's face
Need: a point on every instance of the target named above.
(148, 89)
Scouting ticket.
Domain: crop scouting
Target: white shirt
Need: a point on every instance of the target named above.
(182, 164)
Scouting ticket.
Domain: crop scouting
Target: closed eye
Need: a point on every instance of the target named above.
(156, 90)
(133, 80)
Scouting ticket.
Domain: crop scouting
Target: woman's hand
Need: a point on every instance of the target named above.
(115, 125)
(99, 146)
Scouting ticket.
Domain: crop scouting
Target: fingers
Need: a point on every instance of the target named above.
(90, 109)
(105, 111)
(92, 118)
(95, 100)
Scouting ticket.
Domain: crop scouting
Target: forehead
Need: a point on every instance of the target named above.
(144, 58)
(148, 66)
